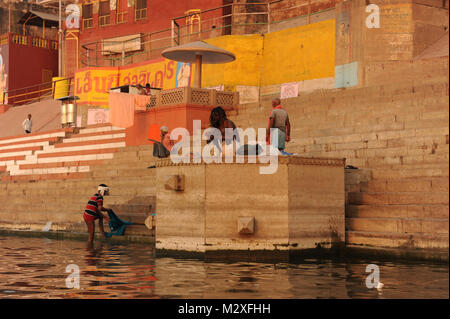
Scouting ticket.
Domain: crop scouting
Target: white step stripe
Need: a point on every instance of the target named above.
(53, 170)
(90, 157)
(23, 145)
(93, 138)
(15, 153)
(6, 163)
(31, 138)
(100, 129)
(80, 148)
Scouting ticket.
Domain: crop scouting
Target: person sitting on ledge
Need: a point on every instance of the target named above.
(141, 89)
(165, 138)
(94, 210)
(218, 119)
(147, 89)
(162, 148)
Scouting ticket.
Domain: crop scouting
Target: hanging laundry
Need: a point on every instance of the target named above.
(141, 101)
(121, 109)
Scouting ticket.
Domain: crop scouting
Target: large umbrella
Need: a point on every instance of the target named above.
(198, 52)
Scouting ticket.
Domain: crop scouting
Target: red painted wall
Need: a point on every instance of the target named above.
(26, 63)
(159, 17)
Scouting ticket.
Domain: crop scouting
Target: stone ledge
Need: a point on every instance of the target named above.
(76, 236)
(286, 160)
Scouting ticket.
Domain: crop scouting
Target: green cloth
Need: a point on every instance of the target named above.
(281, 140)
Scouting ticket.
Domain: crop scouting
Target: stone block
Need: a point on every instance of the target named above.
(300, 206)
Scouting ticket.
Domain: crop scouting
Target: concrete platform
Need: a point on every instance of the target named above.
(232, 207)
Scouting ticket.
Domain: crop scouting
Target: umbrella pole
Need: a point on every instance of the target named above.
(198, 71)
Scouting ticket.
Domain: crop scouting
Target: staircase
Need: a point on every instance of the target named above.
(49, 177)
(398, 207)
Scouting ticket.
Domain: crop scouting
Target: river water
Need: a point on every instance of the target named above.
(36, 268)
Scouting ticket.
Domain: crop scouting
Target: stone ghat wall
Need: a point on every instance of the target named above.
(396, 131)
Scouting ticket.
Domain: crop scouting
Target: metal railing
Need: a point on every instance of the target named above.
(234, 18)
(34, 93)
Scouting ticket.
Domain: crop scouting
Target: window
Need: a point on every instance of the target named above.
(103, 13)
(121, 11)
(87, 15)
(141, 9)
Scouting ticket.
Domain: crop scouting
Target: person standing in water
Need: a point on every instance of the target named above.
(94, 210)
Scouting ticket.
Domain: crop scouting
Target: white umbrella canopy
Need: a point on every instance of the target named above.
(198, 52)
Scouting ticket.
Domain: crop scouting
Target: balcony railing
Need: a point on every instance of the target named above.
(40, 43)
(26, 40)
(34, 93)
(20, 39)
(188, 95)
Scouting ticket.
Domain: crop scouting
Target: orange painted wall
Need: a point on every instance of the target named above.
(170, 116)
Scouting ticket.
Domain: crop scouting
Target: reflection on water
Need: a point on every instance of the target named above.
(36, 268)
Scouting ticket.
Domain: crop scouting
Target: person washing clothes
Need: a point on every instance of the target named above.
(27, 124)
(94, 210)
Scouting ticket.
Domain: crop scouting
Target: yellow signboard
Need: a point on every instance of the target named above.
(92, 85)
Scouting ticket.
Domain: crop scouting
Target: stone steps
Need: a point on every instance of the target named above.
(419, 184)
(398, 211)
(398, 225)
(404, 198)
(396, 240)
(390, 174)
(68, 157)
(78, 228)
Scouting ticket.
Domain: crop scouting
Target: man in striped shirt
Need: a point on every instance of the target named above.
(94, 210)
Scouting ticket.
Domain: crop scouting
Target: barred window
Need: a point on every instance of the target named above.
(141, 9)
(103, 13)
(121, 11)
(87, 12)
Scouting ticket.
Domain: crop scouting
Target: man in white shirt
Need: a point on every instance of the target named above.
(27, 123)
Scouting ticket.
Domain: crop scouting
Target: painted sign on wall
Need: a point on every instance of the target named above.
(93, 84)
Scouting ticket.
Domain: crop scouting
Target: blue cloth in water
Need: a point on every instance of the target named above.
(116, 224)
(286, 153)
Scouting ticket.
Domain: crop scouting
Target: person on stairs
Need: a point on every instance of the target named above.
(27, 124)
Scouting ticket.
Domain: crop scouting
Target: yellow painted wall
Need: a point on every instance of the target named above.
(297, 54)
(245, 70)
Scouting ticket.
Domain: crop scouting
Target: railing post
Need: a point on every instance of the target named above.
(123, 54)
(173, 32)
(268, 17)
(309, 11)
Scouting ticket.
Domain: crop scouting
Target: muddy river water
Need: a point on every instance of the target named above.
(47, 268)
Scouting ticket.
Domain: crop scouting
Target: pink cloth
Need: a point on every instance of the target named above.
(121, 109)
(141, 101)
